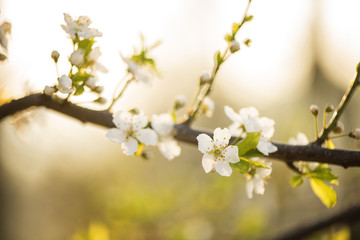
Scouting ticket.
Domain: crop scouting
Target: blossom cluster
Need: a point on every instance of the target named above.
(84, 60)
(133, 129)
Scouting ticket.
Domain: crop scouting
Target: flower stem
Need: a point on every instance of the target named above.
(121, 92)
(201, 94)
(340, 108)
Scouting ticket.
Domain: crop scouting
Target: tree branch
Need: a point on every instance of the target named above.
(349, 216)
(286, 153)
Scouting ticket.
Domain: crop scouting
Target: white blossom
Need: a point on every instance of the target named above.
(256, 183)
(130, 129)
(139, 72)
(163, 125)
(301, 139)
(208, 106)
(91, 83)
(79, 27)
(48, 90)
(217, 153)
(65, 84)
(77, 57)
(248, 119)
(93, 60)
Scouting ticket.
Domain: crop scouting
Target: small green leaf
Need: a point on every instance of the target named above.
(80, 76)
(248, 143)
(253, 153)
(296, 181)
(79, 90)
(86, 44)
(248, 18)
(229, 38)
(242, 166)
(235, 28)
(254, 163)
(322, 174)
(325, 193)
(219, 59)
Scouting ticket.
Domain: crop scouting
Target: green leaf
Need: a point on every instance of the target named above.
(86, 44)
(322, 174)
(235, 28)
(325, 193)
(219, 59)
(242, 166)
(253, 153)
(248, 143)
(80, 76)
(256, 164)
(296, 181)
(79, 90)
(248, 18)
(229, 38)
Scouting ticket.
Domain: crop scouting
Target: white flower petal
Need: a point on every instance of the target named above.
(267, 127)
(147, 136)
(222, 135)
(265, 146)
(139, 121)
(162, 124)
(230, 113)
(205, 143)
(208, 162)
(231, 154)
(259, 186)
(236, 129)
(249, 112)
(115, 135)
(130, 146)
(250, 188)
(123, 120)
(223, 168)
(169, 148)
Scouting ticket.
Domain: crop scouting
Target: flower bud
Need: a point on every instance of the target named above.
(208, 106)
(100, 100)
(55, 56)
(48, 90)
(180, 101)
(98, 89)
(234, 46)
(355, 133)
(205, 78)
(247, 42)
(329, 108)
(65, 84)
(77, 57)
(339, 128)
(91, 83)
(314, 109)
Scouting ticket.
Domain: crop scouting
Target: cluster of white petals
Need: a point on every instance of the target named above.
(301, 139)
(248, 119)
(79, 27)
(217, 153)
(256, 183)
(65, 84)
(93, 60)
(163, 125)
(140, 73)
(130, 130)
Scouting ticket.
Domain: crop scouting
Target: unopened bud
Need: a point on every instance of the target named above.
(134, 111)
(180, 101)
(314, 109)
(205, 78)
(77, 57)
(329, 108)
(55, 56)
(48, 90)
(100, 100)
(355, 133)
(99, 89)
(247, 42)
(234, 46)
(339, 128)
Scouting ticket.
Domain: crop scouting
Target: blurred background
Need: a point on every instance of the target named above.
(61, 179)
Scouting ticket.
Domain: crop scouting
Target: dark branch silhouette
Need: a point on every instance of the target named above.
(349, 216)
(286, 153)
